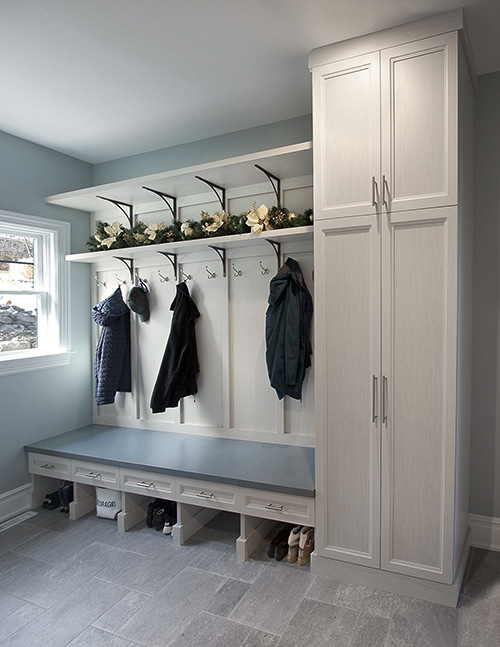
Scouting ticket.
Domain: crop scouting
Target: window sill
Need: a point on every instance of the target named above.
(33, 362)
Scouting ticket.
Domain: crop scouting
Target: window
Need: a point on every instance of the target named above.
(33, 293)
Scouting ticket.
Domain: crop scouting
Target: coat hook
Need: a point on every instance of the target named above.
(120, 282)
(188, 277)
(236, 272)
(163, 279)
(99, 283)
(264, 270)
(211, 275)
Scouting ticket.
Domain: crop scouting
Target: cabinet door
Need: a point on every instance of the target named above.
(347, 329)
(346, 121)
(419, 305)
(419, 123)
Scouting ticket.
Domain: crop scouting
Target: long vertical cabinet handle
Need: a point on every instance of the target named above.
(374, 398)
(384, 185)
(374, 192)
(384, 399)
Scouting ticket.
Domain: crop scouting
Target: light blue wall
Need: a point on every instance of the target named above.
(485, 441)
(243, 142)
(43, 403)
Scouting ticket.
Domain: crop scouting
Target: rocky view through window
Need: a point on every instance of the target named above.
(18, 308)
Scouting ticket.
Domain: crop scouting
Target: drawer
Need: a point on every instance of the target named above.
(54, 466)
(147, 483)
(281, 507)
(208, 494)
(96, 474)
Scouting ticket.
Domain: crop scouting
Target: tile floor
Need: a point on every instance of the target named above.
(82, 584)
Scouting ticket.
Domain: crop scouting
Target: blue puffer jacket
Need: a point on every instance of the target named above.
(112, 367)
(288, 330)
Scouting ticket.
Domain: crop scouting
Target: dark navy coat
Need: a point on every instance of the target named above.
(112, 366)
(288, 330)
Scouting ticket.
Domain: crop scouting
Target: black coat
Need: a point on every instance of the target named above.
(288, 330)
(177, 376)
(112, 369)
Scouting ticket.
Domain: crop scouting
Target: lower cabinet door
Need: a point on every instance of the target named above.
(208, 495)
(281, 507)
(47, 465)
(148, 483)
(97, 474)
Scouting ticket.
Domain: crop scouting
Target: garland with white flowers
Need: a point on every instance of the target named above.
(220, 223)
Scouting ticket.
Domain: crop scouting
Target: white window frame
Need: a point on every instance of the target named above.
(54, 237)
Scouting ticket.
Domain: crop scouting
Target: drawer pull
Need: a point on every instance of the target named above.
(272, 506)
(92, 475)
(205, 495)
(47, 467)
(145, 485)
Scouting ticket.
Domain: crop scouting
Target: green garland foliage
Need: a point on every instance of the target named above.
(115, 236)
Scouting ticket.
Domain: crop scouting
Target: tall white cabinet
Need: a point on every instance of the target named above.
(392, 201)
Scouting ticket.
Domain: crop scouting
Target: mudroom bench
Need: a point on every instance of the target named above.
(262, 482)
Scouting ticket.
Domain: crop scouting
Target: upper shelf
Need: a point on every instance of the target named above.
(285, 162)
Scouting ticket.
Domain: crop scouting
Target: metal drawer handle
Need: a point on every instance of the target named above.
(272, 506)
(374, 398)
(144, 484)
(374, 192)
(47, 466)
(205, 495)
(384, 399)
(91, 475)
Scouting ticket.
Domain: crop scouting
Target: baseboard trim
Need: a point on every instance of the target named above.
(15, 502)
(485, 532)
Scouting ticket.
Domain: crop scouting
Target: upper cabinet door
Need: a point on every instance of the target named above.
(419, 124)
(346, 97)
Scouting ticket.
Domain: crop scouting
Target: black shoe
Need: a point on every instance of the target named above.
(281, 536)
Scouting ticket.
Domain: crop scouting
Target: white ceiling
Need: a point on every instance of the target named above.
(103, 79)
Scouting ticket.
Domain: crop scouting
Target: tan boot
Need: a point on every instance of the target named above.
(306, 545)
(293, 544)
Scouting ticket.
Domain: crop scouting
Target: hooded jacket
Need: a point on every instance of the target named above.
(177, 375)
(288, 330)
(112, 367)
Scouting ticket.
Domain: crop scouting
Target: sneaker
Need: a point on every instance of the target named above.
(293, 544)
(167, 526)
(306, 545)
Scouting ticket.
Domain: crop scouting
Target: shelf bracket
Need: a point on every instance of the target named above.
(275, 183)
(173, 260)
(172, 206)
(222, 255)
(277, 250)
(129, 262)
(120, 205)
(219, 191)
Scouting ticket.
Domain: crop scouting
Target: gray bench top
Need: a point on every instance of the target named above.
(266, 466)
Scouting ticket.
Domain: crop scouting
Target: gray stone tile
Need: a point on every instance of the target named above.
(9, 604)
(167, 614)
(41, 583)
(483, 577)
(479, 622)
(207, 630)
(72, 615)
(323, 589)
(41, 544)
(227, 597)
(258, 638)
(362, 598)
(121, 611)
(221, 559)
(422, 624)
(109, 562)
(18, 618)
(16, 535)
(273, 599)
(319, 624)
(93, 637)
(370, 631)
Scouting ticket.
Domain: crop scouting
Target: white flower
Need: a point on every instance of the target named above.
(187, 229)
(152, 229)
(257, 218)
(218, 219)
(114, 231)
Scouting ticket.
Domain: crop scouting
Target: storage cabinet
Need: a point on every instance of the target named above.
(385, 130)
(392, 311)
